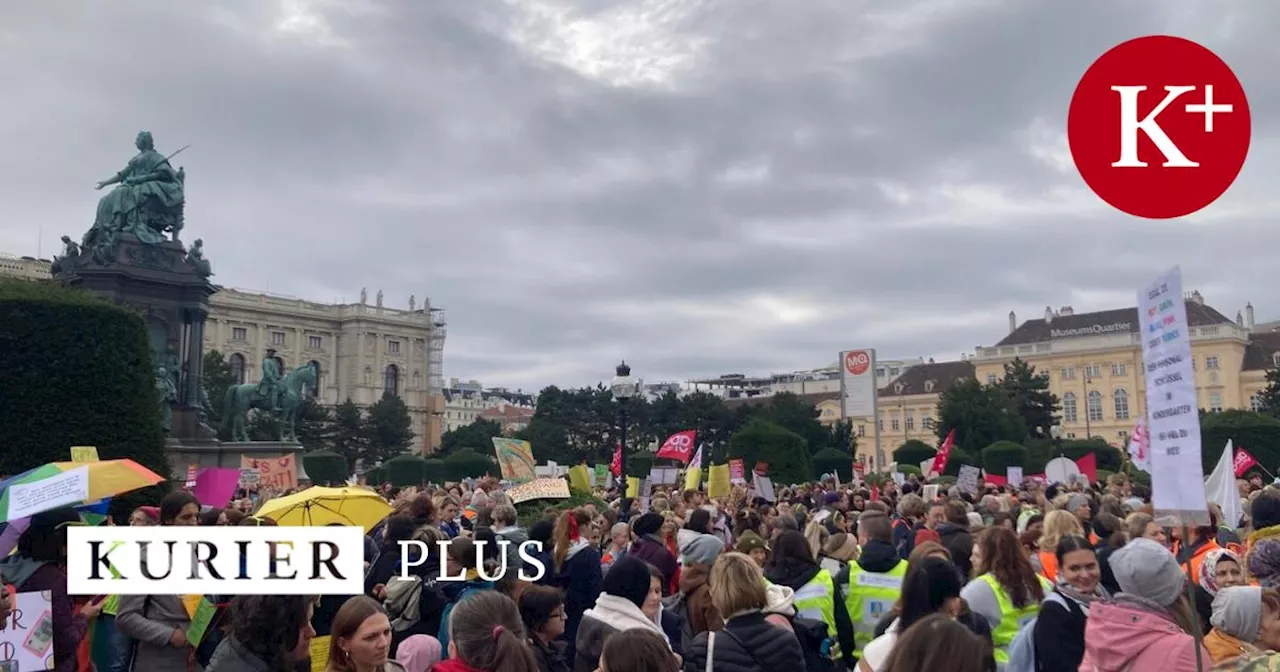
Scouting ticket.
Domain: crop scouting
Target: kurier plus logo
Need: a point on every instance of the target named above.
(1159, 127)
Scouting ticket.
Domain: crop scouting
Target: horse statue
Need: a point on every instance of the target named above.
(241, 398)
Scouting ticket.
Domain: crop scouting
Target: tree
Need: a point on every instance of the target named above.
(980, 414)
(788, 411)
(1257, 433)
(75, 370)
(842, 437)
(314, 425)
(217, 378)
(912, 452)
(478, 436)
(999, 456)
(1269, 396)
(389, 429)
(783, 450)
(349, 437)
(1030, 397)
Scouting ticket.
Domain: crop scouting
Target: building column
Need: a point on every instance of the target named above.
(195, 359)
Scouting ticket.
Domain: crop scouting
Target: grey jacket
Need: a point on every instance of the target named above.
(152, 630)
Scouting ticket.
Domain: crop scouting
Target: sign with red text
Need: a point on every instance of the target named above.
(858, 383)
(278, 473)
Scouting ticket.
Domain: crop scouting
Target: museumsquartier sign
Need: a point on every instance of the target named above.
(1092, 330)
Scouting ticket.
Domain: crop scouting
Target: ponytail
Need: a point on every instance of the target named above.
(567, 532)
(486, 630)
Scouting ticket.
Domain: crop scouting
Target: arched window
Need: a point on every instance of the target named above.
(1069, 412)
(1121, 399)
(391, 380)
(1095, 405)
(315, 390)
(237, 368)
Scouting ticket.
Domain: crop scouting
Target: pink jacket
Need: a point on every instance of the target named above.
(1123, 638)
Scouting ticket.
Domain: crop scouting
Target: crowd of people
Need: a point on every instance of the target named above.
(1037, 577)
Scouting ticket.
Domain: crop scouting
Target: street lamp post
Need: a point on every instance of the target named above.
(1056, 432)
(623, 388)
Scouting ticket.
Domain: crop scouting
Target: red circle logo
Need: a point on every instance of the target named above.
(680, 442)
(857, 362)
(1159, 127)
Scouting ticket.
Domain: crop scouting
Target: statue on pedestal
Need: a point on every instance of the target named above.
(195, 256)
(148, 203)
(168, 393)
(70, 256)
(289, 391)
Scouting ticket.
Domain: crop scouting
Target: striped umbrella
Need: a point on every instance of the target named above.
(59, 484)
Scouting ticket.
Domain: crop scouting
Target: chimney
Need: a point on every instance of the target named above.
(1248, 315)
(1239, 319)
(1048, 315)
(1066, 310)
(1013, 322)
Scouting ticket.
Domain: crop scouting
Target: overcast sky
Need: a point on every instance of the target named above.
(699, 186)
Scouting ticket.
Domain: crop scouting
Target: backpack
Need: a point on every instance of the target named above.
(404, 602)
(907, 541)
(1022, 650)
(443, 634)
(816, 644)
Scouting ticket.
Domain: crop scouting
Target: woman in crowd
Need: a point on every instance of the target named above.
(361, 639)
(1007, 591)
(1139, 525)
(939, 644)
(648, 546)
(748, 640)
(268, 633)
(543, 613)
(1246, 622)
(618, 608)
(1057, 524)
(487, 635)
(816, 592)
(1059, 629)
(1150, 624)
(932, 586)
(1219, 568)
(159, 622)
(447, 508)
(461, 561)
(144, 516)
(637, 651)
(692, 605)
(1111, 531)
(573, 566)
(419, 653)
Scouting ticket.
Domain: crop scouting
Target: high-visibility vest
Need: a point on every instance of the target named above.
(1011, 618)
(871, 595)
(816, 600)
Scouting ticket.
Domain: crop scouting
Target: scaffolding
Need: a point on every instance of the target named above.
(435, 352)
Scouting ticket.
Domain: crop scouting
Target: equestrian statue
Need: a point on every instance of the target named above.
(279, 395)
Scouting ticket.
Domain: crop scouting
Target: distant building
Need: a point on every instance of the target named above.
(466, 402)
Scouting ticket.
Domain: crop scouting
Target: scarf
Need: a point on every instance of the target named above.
(1209, 568)
(1083, 599)
(622, 614)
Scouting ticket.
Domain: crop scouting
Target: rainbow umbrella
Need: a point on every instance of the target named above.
(59, 484)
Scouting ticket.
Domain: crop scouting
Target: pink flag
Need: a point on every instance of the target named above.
(216, 487)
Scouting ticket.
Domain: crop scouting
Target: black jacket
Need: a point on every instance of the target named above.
(1059, 636)
(748, 643)
(959, 543)
(550, 656)
(580, 578)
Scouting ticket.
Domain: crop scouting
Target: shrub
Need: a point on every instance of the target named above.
(76, 371)
(435, 470)
(958, 458)
(639, 463)
(999, 456)
(324, 466)
(913, 452)
(467, 463)
(786, 452)
(831, 459)
(404, 470)
(909, 469)
(1108, 457)
(1257, 433)
(530, 512)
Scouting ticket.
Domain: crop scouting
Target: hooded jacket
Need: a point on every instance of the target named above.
(653, 551)
(1121, 636)
(693, 605)
(748, 643)
(795, 575)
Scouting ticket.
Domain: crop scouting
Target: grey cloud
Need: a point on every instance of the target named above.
(566, 222)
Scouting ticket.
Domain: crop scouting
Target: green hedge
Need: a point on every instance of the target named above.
(324, 467)
(405, 470)
(1108, 457)
(467, 463)
(999, 456)
(913, 452)
(909, 469)
(786, 452)
(1259, 434)
(77, 372)
(958, 458)
(640, 463)
(435, 471)
(530, 512)
(830, 459)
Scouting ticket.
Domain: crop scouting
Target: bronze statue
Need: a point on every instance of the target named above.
(168, 393)
(70, 257)
(148, 203)
(195, 256)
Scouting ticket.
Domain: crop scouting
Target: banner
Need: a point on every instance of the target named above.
(1244, 462)
(84, 454)
(967, 481)
(678, 446)
(279, 473)
(1173, 410)
(515, 458)
(737, 471)
(540, 488)
(1140, 447)
(580, 478)
(615, 467)
(1015, 475)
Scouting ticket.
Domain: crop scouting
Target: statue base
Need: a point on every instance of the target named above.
(211, 453)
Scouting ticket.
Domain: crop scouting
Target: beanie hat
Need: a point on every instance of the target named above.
(628, 578)
(1264, 562)
(1147, 569)
(831, 498)
(649, 523)
(1076, 501)
(749, 541)
(1237, 611)
(703, 550)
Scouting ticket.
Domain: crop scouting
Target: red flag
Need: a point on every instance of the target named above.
(679, 446)
(615, 467)
(944, 451)
(1244, 462)
(1088, 466)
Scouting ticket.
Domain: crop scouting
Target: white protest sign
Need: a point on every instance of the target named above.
(1173, 429)
(27, 499)
(27, 642)
(764, 488)
(1015, 475)
(968, 479)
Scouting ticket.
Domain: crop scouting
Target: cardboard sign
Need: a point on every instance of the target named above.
(280, 473)
(541, 488)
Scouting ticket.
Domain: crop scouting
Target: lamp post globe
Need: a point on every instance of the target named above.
(622, 388)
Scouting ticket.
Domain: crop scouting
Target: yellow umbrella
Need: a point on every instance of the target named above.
(317, 507)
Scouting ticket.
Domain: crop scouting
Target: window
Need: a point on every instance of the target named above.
(239, 334)
(862, 431)
(991, 379)
(1118, 369)
(1214, 378)
(1193, 363)
(1069, 373)
(893, 370)
(1215, 402)
(237, 367)
(1121, 399)
(926, 422)
(880, 373)
(1095, 405)
(1092, 371)
(928, 385)
(911, 421)
(1255, 403)
(1069, 413)
(879, 424)
(893, 422)
(314, 391)
(1211, 362)
(277, 338)
(314, 342)
(393, 347)
(391, 380)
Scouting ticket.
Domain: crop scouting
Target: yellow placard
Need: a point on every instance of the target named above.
(84, 454)
(542, 488)
(633, 486)
(515, 458)
(692, 478)
(320, 653)
(718, 481)
(580, 478)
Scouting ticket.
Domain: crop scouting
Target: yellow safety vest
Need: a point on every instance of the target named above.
(1011, 618)
(871, 595)
(816, 600)
(112, 605)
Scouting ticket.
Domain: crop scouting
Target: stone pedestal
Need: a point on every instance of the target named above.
(206, 454)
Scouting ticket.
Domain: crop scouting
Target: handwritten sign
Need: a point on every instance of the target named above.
(542, 488)
(27, 642)
(84, 454)
(515, 458)
(320, 653)
(280, 473)
(968, 479)
(249, 476)
(27, 499)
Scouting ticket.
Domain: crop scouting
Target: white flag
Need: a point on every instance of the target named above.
(1220, 487)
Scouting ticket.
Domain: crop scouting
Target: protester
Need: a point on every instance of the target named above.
(650, 547)
(618, 608)
(954, 533)
(931, 587)
(637, 651)
(1006, 591)
(265, 632)
(748, 640)
(1058, 633)
(487, 635)
(939, 644)
(418, 653)
(159, 623)
(573, 566)
(1246, 622)
(817, 596)
(361, 639)
(543, 612)
(1057, 524)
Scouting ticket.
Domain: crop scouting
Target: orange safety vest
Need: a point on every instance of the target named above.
(1049, 566)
